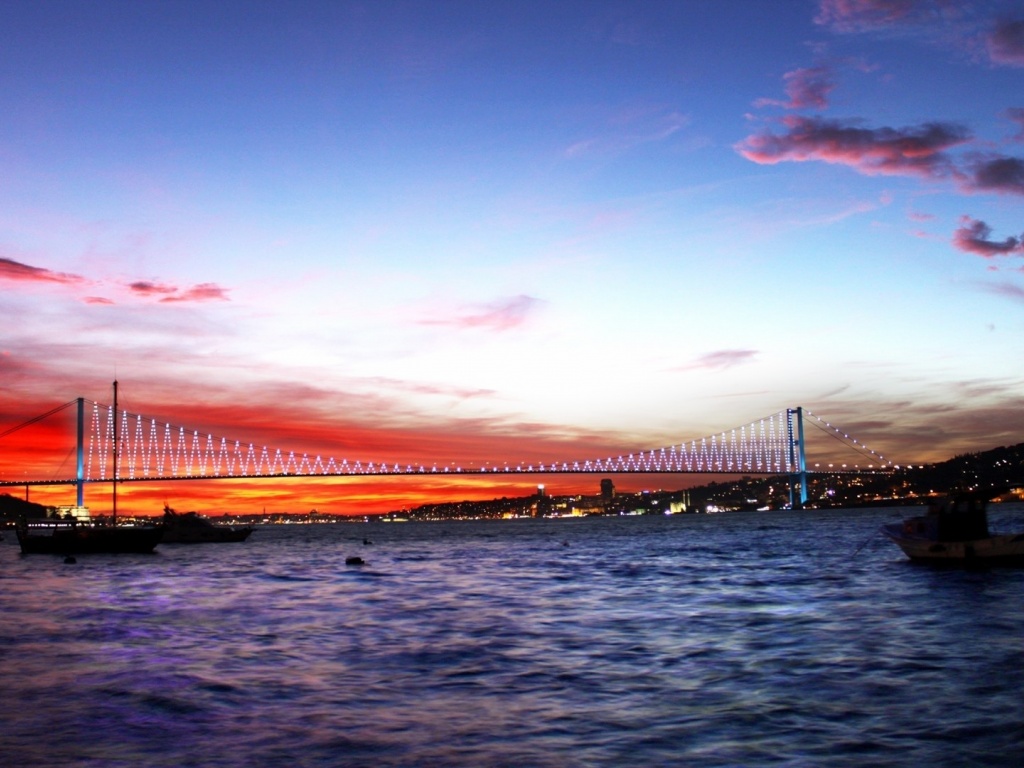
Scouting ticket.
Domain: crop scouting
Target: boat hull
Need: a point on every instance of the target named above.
(82, 539)
(1001, 549)
(193, 528)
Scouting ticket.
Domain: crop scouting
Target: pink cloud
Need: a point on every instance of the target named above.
(1016, 115)
(15, 270)
(147, 288)
(499, 316)
(1005, 43)
(974, 237)
(200, 292)
(863, 15)
(809, 87)
(720, 359)
(1007, 290)
(97, 300)
(917, 151)
(999, 174)
(171, 293)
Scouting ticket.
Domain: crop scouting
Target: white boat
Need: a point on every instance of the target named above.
(955, 531)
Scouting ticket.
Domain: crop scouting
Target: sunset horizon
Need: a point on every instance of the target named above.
(461, 233)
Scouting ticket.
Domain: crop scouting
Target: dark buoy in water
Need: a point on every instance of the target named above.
(367, 541)
(70, 559)
(354, 561)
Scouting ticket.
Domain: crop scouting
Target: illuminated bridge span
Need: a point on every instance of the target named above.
(113, 444)
(151, 450)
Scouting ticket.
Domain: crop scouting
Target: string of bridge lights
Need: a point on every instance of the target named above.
(838, 433)
(149, 449)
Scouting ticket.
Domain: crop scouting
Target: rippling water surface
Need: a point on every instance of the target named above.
(739, 639)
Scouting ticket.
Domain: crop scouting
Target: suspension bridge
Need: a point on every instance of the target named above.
(113, 445)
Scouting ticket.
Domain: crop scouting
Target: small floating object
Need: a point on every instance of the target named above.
(70, 560)
(367, 541)
(354, 561)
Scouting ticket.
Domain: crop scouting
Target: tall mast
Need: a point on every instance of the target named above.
(114, 473)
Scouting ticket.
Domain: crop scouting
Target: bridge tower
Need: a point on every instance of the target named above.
(80, 457)
(797, 456)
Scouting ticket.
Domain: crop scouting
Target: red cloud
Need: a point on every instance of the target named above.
(500, 315)
(889, 151)
(861, 15)
(201, 292)
(1006, 43)
(996, 174)
(14, 270)
(973, 237)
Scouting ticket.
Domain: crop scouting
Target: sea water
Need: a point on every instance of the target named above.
(739, 639)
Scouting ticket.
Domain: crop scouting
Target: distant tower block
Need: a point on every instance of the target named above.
(540, 490)
(607, 489)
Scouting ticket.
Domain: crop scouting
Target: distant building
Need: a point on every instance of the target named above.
(607, 489)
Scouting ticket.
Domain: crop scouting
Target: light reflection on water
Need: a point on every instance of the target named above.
(740, 639)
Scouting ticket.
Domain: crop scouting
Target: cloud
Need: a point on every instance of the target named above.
(171, 293)
(999, 174)
(720, 360)
(1016, 115)
(15, 270)
(915, 151)
(864, 15)
(628, 129)
(500, 315)
(974, 237)
(807, 87)
(443, 390)
(147, 288)
(1006, 290)
(1005, 43)
(200, 292)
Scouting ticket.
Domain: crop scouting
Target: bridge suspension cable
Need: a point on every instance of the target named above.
(839, 435)
(152, 449)
(36, 419)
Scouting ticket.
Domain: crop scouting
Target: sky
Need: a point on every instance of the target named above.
(439, 232)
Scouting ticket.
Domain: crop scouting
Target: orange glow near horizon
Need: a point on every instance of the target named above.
(46, 450)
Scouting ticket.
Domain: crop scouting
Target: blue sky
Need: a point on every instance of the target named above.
(481, 230)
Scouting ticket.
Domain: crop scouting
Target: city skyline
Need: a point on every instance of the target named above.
(421, 232)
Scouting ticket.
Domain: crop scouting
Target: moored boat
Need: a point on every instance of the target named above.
(71, 537)
(193, 528)
(955, 531)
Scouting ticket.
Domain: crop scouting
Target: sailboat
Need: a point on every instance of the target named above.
(72, 537)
